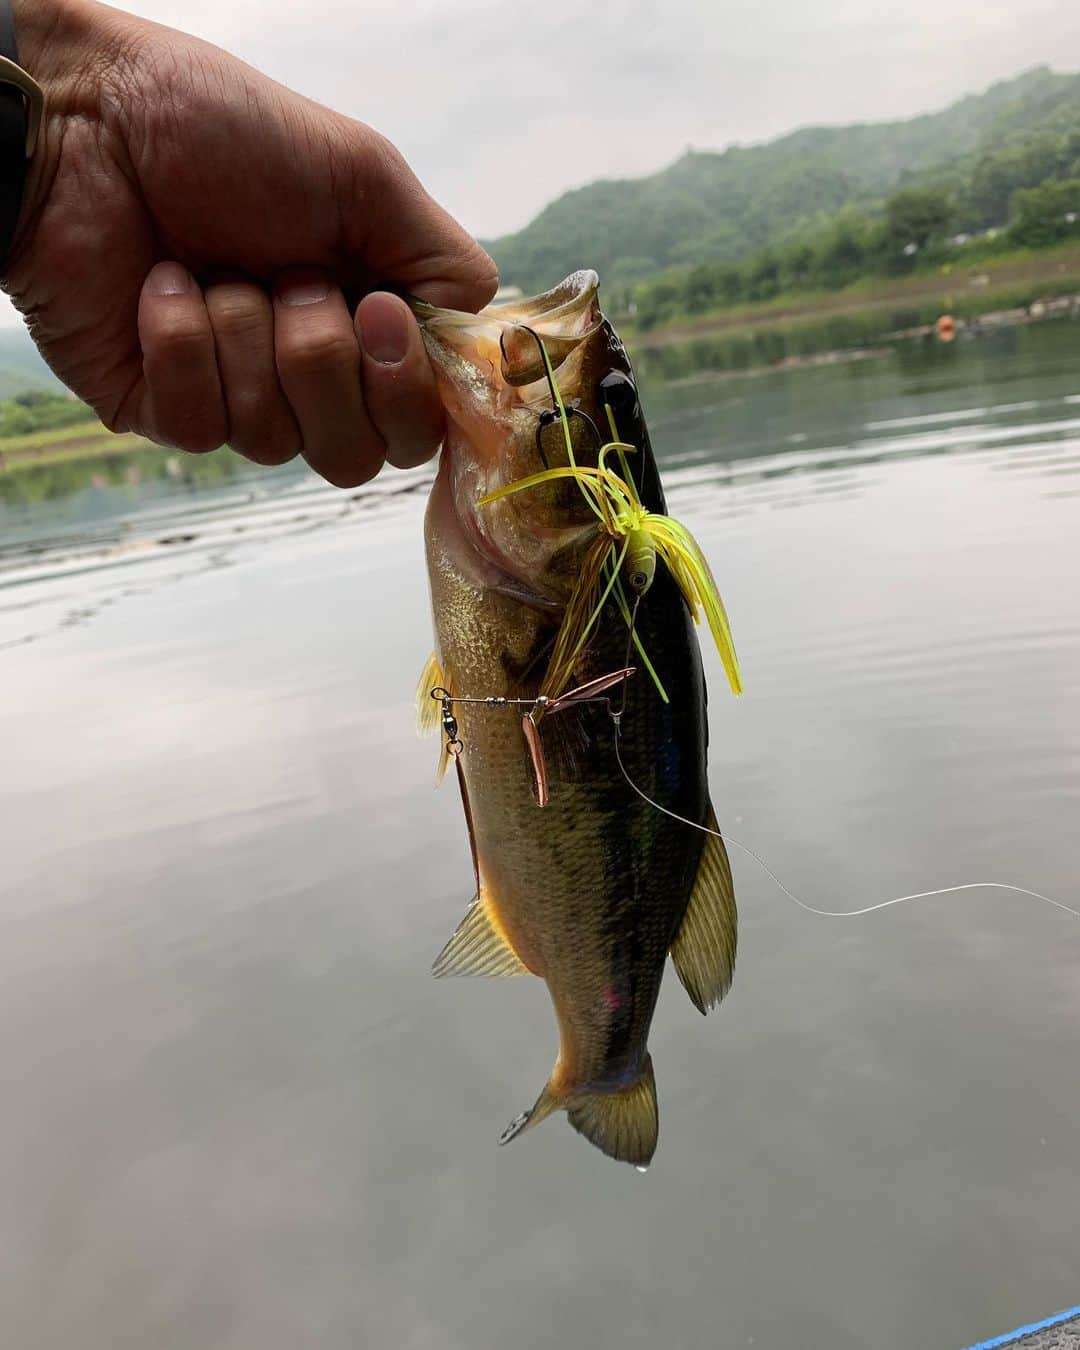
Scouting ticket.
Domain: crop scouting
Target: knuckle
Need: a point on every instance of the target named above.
(180, 335)
(317, 351)
(385, 161)
(483, 274)
(249, 411)
(241, 315)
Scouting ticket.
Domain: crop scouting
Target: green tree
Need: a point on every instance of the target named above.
(917, 215)
(40, 410)
(763, 275)
(700, 289)
(798, 265)
(841, 254)
(1047, 214)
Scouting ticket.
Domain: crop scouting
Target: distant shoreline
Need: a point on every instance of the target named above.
(996, 285)
(1014, 292)
(84, 440)
(1067, 306)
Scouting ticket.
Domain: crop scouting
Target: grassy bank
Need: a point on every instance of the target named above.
(58, 445)
(1011, 280)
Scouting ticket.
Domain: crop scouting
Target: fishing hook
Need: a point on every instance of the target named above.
(551, 415)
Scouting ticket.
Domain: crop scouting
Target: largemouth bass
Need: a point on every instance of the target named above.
(592, 890)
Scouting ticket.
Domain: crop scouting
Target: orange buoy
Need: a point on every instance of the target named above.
(945, 328)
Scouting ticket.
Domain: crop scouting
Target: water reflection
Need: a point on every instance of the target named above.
(869, 334)
(239, 1111)
(26, 484)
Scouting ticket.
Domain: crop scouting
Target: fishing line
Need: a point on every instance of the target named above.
(594, 690)
(831, 913)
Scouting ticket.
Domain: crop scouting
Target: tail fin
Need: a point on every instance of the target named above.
(623, 1124)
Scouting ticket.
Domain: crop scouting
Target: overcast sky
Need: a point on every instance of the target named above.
(500, 105)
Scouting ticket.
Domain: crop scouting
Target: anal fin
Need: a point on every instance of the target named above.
(478, 948)
(704, 948)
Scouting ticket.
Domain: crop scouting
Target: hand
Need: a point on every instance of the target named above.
(193, 235)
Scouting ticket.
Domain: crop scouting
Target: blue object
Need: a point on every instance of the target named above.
(1010, 1338)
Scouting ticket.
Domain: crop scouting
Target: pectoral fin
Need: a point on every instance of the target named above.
(704, 948)
(478, 948)
(429, 710)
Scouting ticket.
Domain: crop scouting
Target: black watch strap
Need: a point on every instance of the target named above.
(15, 127)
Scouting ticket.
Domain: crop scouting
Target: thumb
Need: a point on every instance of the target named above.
(401, 235)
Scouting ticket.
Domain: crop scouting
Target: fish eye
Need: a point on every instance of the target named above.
(639, 581)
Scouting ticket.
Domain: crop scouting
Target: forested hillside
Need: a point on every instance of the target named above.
(721, 207)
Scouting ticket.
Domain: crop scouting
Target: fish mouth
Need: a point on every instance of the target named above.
(557, 309)
(504, 338)
(496, 374)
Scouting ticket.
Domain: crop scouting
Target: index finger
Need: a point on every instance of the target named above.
(399, 384)
(404, 237)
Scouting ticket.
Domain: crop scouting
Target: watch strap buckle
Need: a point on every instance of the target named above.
(14, 75)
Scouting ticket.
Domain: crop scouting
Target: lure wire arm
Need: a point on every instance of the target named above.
(593, 692)
(590, 692)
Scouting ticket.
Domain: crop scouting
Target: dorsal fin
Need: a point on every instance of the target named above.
(478, 948)
(704, 948)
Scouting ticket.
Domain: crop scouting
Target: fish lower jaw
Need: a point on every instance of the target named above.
(459, 546)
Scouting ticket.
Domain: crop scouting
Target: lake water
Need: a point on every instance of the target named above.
(239, 1113)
